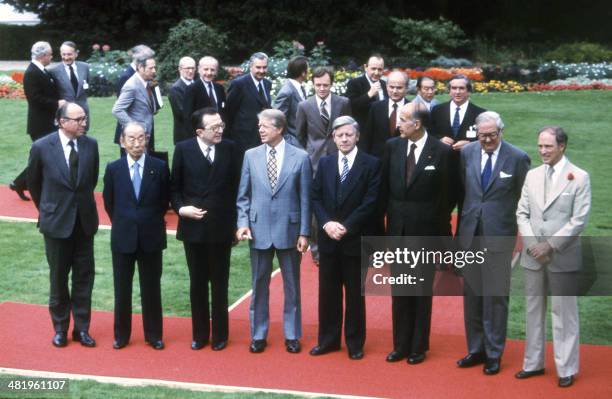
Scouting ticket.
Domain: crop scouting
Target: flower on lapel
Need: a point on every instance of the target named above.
(570, 176)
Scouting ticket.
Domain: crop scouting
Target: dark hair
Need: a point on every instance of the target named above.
(197, 117)
(321, 71)
(421, 113)
(420, 80)
(558, 132)
(375, 55)
(297, 66)
(62, 112)
(70, 44)
(468, 83)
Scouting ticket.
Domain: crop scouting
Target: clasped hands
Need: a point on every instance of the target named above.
(244, 233)
(456, 145)
(192, 212)
(335, 230)
(541, 251)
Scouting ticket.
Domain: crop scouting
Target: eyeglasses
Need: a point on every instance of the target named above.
(484, 136)
(215, 128)
(132, 140)
(77, 120)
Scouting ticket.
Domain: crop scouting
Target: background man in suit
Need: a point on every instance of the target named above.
(43, 100)
(415, 187)
(205, 176)
(291, 94)
(274, 213)
(62, 175)
(364, 90)
(344, 195)
(137, 100)
(247, 96)
(205, 92)
(384, 115)
(176, 96)
(426, 90)
(492, 173)
(136, 195)
(72, 77)
(552, 213)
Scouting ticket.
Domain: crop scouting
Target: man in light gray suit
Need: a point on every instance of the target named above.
(426, 90)
(492, 172)
(552, 213)
(136, 103)
(291, 94)
(274, 213)
(72, 77)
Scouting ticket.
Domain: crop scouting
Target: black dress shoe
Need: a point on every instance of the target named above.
(521, 375)
(356, 355)
(293, 346)
(197, 345)
(472, 359)
(19, 191)
(118, 344)
(157, 344)
(257, 345)
(491, 366)
(219, 346)
(84, 338)
(322, 350)
(416, 358)
(395, 356)
(565, 382)
(60, 340)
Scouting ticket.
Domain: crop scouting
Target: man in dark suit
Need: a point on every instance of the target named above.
(247, 96)
(176, 96)
(43, 99)
(344, 195)
(364, 90)
(291, 94)
(492, 174)
(414, 193)
(62, 175)
(205, 176)
(136, 196)
(204, 92)
(383, 118)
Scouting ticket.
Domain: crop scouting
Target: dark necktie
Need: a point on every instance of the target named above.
(73, 162)
(151, 97)
(303, 91)
(324, 114)
(410, 163)
(456, 123)
(272, 169)
(345, 169)
(262, 93)
(211, 95)
(73, 79)
(136, 179)
(207, 155)
(486, 172)
(393, 120)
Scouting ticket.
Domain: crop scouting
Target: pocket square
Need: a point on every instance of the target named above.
(562, 194)
(430, 167)
(503, 175)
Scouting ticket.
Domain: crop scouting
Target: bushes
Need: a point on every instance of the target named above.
(104, 69)
(579, 52)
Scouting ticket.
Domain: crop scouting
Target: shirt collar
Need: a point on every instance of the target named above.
(39, 65)
(131, 162)
(350, 156)
(280, 147)
(187, 82)
(495, 153)
(462, 106)
(420, 142)
(144, 82)
(326, 99)
(559, 165)
(255, 81)
(64, 139)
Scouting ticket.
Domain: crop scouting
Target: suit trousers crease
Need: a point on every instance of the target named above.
(338, 271)
(149, 277)
(209, 262)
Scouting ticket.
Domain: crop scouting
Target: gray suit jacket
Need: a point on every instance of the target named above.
(420, 100)
(560, 220)
(276, 218)
(287, 101)
(64, 86)
(134, 104)
(312, 133)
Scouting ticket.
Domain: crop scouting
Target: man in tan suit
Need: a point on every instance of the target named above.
(552, 212)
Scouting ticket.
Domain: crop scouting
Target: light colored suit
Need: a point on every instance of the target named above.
(559, 220)
(420, 100)
(64, 86)
(287, 101)
(134, 104)
(276, 219)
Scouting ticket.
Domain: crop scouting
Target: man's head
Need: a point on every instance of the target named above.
(426, 88)
(145, 66)
(460, 88)
(297, 68)
(490, 129)
(207, 68)
(186, 68)
(42, 52)
(258, 65)
(141, 51)
(68, 52)
(552, 142)
(375, 67)
(71, 119)
(272, 123)
(346, 133)
(413, 119)
(322, 80)
(208, 125)
(397, 85)
(134, 140)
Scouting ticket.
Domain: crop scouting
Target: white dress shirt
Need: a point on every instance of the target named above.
(187, 82)
(462, 110)
(557, 168)
(74, 68)
(420, 144)
(204, 147)
(484, 157)
(39, 65)
(131, 163)
(400, 104)
(263, 87)
(327, 104)
(298, 86)
(350, 157)
(280, 153)
(64, 140)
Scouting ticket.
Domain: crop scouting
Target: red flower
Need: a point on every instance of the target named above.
(106, 47)
(570, 176)
(95, 47)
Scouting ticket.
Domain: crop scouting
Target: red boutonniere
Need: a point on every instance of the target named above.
(570, 176)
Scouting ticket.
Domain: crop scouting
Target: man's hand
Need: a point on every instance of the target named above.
(335, 230)
(540, 250)
(374, 89)
(243, 233)
(192, 212)
(302, 244)
(447, 140)
(459, 145)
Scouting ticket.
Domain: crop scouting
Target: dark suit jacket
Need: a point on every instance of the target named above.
(177, 99)
(42, 95)
(375, 133)
(352, 203)
(137, 223)
(243, 105)
(52, 191)
(357, 91)
(212, 188)
(440, 120)
(196, 97)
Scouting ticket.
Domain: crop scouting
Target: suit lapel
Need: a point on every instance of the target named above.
(559, 185)
(61, 158)
(147, 175)
(424, 159)
(288, 161)
(539, 177)
(83, 151)
(502, 156)
(335, 112)
(315, 115)
(467, 117)
(260, 161)
(126, 179)
(401, 153)
(476, 167)
(255, 90)
(353, 176)
(332, 178)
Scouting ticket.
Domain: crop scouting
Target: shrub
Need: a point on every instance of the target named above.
(104, 69)
(446, 62)
(319, 55)
(287, 49)
(579, 52)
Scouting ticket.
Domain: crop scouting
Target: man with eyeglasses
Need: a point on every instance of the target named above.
(62, 175)
(205, 176)
(426, 90)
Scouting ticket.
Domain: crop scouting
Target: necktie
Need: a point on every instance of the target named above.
(136, 179)
(211, 95)
(548, 183)
(272, 172)
(303, 91)
(151, 97)
(73, 162)
(345, 169)
(486, 172)
(410, 163)
(262, 93)
(456, 123)
(393, 120)
(207, 155)
(73, 79)
(324, 114)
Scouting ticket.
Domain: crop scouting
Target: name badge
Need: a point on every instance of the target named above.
(85, 85)
(471, 132)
